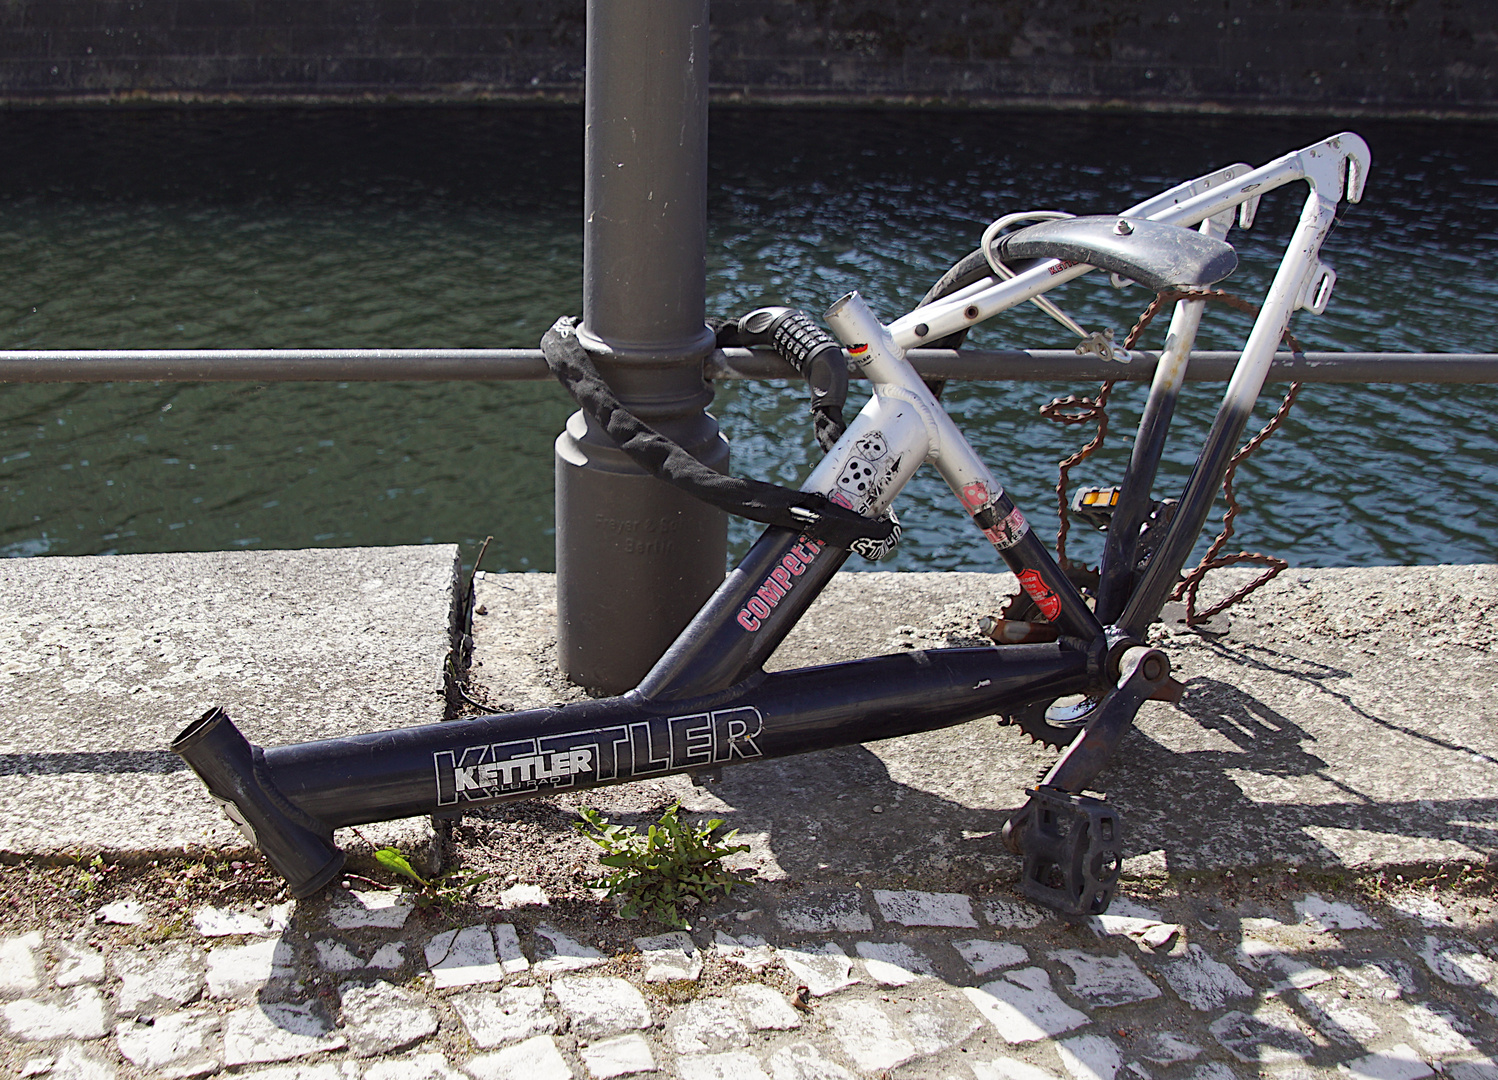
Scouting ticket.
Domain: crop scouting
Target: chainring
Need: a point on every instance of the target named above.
(1054, 731)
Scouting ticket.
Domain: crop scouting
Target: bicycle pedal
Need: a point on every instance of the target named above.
(1072, 851)
(1095, 506)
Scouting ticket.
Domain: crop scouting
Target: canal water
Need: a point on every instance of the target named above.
(462, 228)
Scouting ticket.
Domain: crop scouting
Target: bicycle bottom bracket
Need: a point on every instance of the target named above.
(1072, 850)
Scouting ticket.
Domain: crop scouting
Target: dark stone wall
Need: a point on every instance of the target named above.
(1346, 56)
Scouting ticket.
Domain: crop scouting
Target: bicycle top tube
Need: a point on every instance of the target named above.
(1333, 167)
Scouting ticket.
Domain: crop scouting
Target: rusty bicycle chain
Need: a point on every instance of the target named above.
(1075, 409)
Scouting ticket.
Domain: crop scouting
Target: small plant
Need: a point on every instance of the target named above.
(670, 865)
(88, 878)
(452, 887)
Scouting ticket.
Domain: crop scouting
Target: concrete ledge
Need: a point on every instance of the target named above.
(1344, 721)
(104, 659)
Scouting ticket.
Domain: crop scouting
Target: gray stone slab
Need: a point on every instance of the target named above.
(512, 1014)
(181, 1044)
(1344, 720)
(104, 659)
(379, 1018)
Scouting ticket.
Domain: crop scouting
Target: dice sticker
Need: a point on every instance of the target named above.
(872, 446)
(857, 478)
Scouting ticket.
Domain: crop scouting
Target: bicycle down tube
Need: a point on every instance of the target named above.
(708, 701)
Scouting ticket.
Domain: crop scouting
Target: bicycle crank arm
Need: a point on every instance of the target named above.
(1072, 844)
(289, 799)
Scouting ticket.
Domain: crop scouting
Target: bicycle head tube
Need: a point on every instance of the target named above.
(299, 847)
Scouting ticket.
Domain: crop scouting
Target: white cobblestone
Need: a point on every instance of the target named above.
(1022, 1007)
(156, 979)
(1483, 1068)
(1168, 1048)
(1269, 1036)
(413, 1067)
(1337, 1018)
(1458, 962)
(825, 911)
(355, 910)
(326, 1070)
(76, 964)
(79, 1013)
(936, 1022)
(764, 1009)
(392, 955)
(670, 957)
(1106, 980)
(867, 1035)
(379, 1018)
(1386, 978)
(892, 963)
(20, 969)
(126, 912)
(909, 908)
(1202, 982)
(514, 1013)
(275, 1032)
(1398, 1062)
(625, 1055)
(601, 1005)
(464, 957)
(1149, 934)
(985, 956)
(823, 970)
(507, 947)
(181, 1044)
(1426, 909)
(565, 954)
(534, 1059)
(1436, 1033)
(1090, 1057)
(1333, 915)
(222, 922)
(1012, 914)
(1216, 1070)
(237, 971)
(707, 1025)
(73, 1062)
(732, 1066)
(518, 896)
(333, 955)
(1006, 1068)
(748, 951)
(803, 1061)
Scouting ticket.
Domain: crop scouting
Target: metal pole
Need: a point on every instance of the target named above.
(494, 365)
(635, 557)
(1064, 365)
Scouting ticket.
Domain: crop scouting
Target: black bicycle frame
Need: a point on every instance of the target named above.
(706, 704)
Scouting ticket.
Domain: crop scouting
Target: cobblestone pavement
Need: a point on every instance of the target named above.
(1210, 982)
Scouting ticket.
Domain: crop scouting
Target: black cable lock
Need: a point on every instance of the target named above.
(806, 512)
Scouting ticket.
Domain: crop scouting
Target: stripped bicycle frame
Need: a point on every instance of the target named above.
(709, 703)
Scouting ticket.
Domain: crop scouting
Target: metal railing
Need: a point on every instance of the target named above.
(486, 365)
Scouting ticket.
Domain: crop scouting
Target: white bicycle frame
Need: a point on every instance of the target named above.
(903, 426)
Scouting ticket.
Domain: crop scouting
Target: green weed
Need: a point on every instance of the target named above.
(452, 887)
(669, 865)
